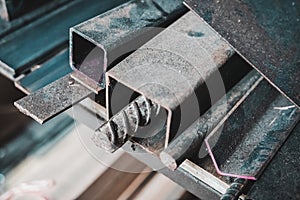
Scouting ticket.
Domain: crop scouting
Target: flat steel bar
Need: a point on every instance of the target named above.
(184, 69)
(265, 33)
(144, 11)
(97, 44)
(53, 99)
(31, 44)
(187, 145)
(46, 73)
(243, 143)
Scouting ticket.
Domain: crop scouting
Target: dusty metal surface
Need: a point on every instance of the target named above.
(55, 66)
(181, 71)
(244, 142)
(34, 43)
(265, 32)
(53, 99)
(187, 145)
(281, 178)
(100, 41)
(46, 73)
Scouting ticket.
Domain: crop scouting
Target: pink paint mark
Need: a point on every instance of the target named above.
(217, 167)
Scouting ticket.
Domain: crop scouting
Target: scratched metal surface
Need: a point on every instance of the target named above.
(244, 144)
(265, 32)
(281, 179)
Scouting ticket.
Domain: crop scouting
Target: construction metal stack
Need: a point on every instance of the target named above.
(208, 97)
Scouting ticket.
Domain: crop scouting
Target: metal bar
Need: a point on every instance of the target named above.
(53, 99)
(101, 41)
(189, 175)
(182, 70)
(187, 145)
(265, 33)
(244, 142)
(32, 44)
(46, 73)
(173, 10)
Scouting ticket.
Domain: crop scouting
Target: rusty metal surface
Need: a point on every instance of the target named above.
(53, 99)
(245, 142)
(182, 63)
(187, 145)
(264, 32)
(102, 40)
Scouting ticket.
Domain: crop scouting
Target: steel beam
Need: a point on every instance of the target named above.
(182, 70)
(97, 44)
(112, 44)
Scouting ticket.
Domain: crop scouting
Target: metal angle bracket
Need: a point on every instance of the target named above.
(265, 33)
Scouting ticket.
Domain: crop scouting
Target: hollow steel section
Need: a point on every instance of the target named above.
(96, 44)
(182, 70)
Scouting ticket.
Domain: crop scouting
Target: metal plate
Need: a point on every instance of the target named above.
(264, 32)
(243, 144)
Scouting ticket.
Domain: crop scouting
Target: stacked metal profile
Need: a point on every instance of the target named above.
(176, 95)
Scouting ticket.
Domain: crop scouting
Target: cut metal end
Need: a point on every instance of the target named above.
(102, 141)
(19, 106)
(168, 160)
